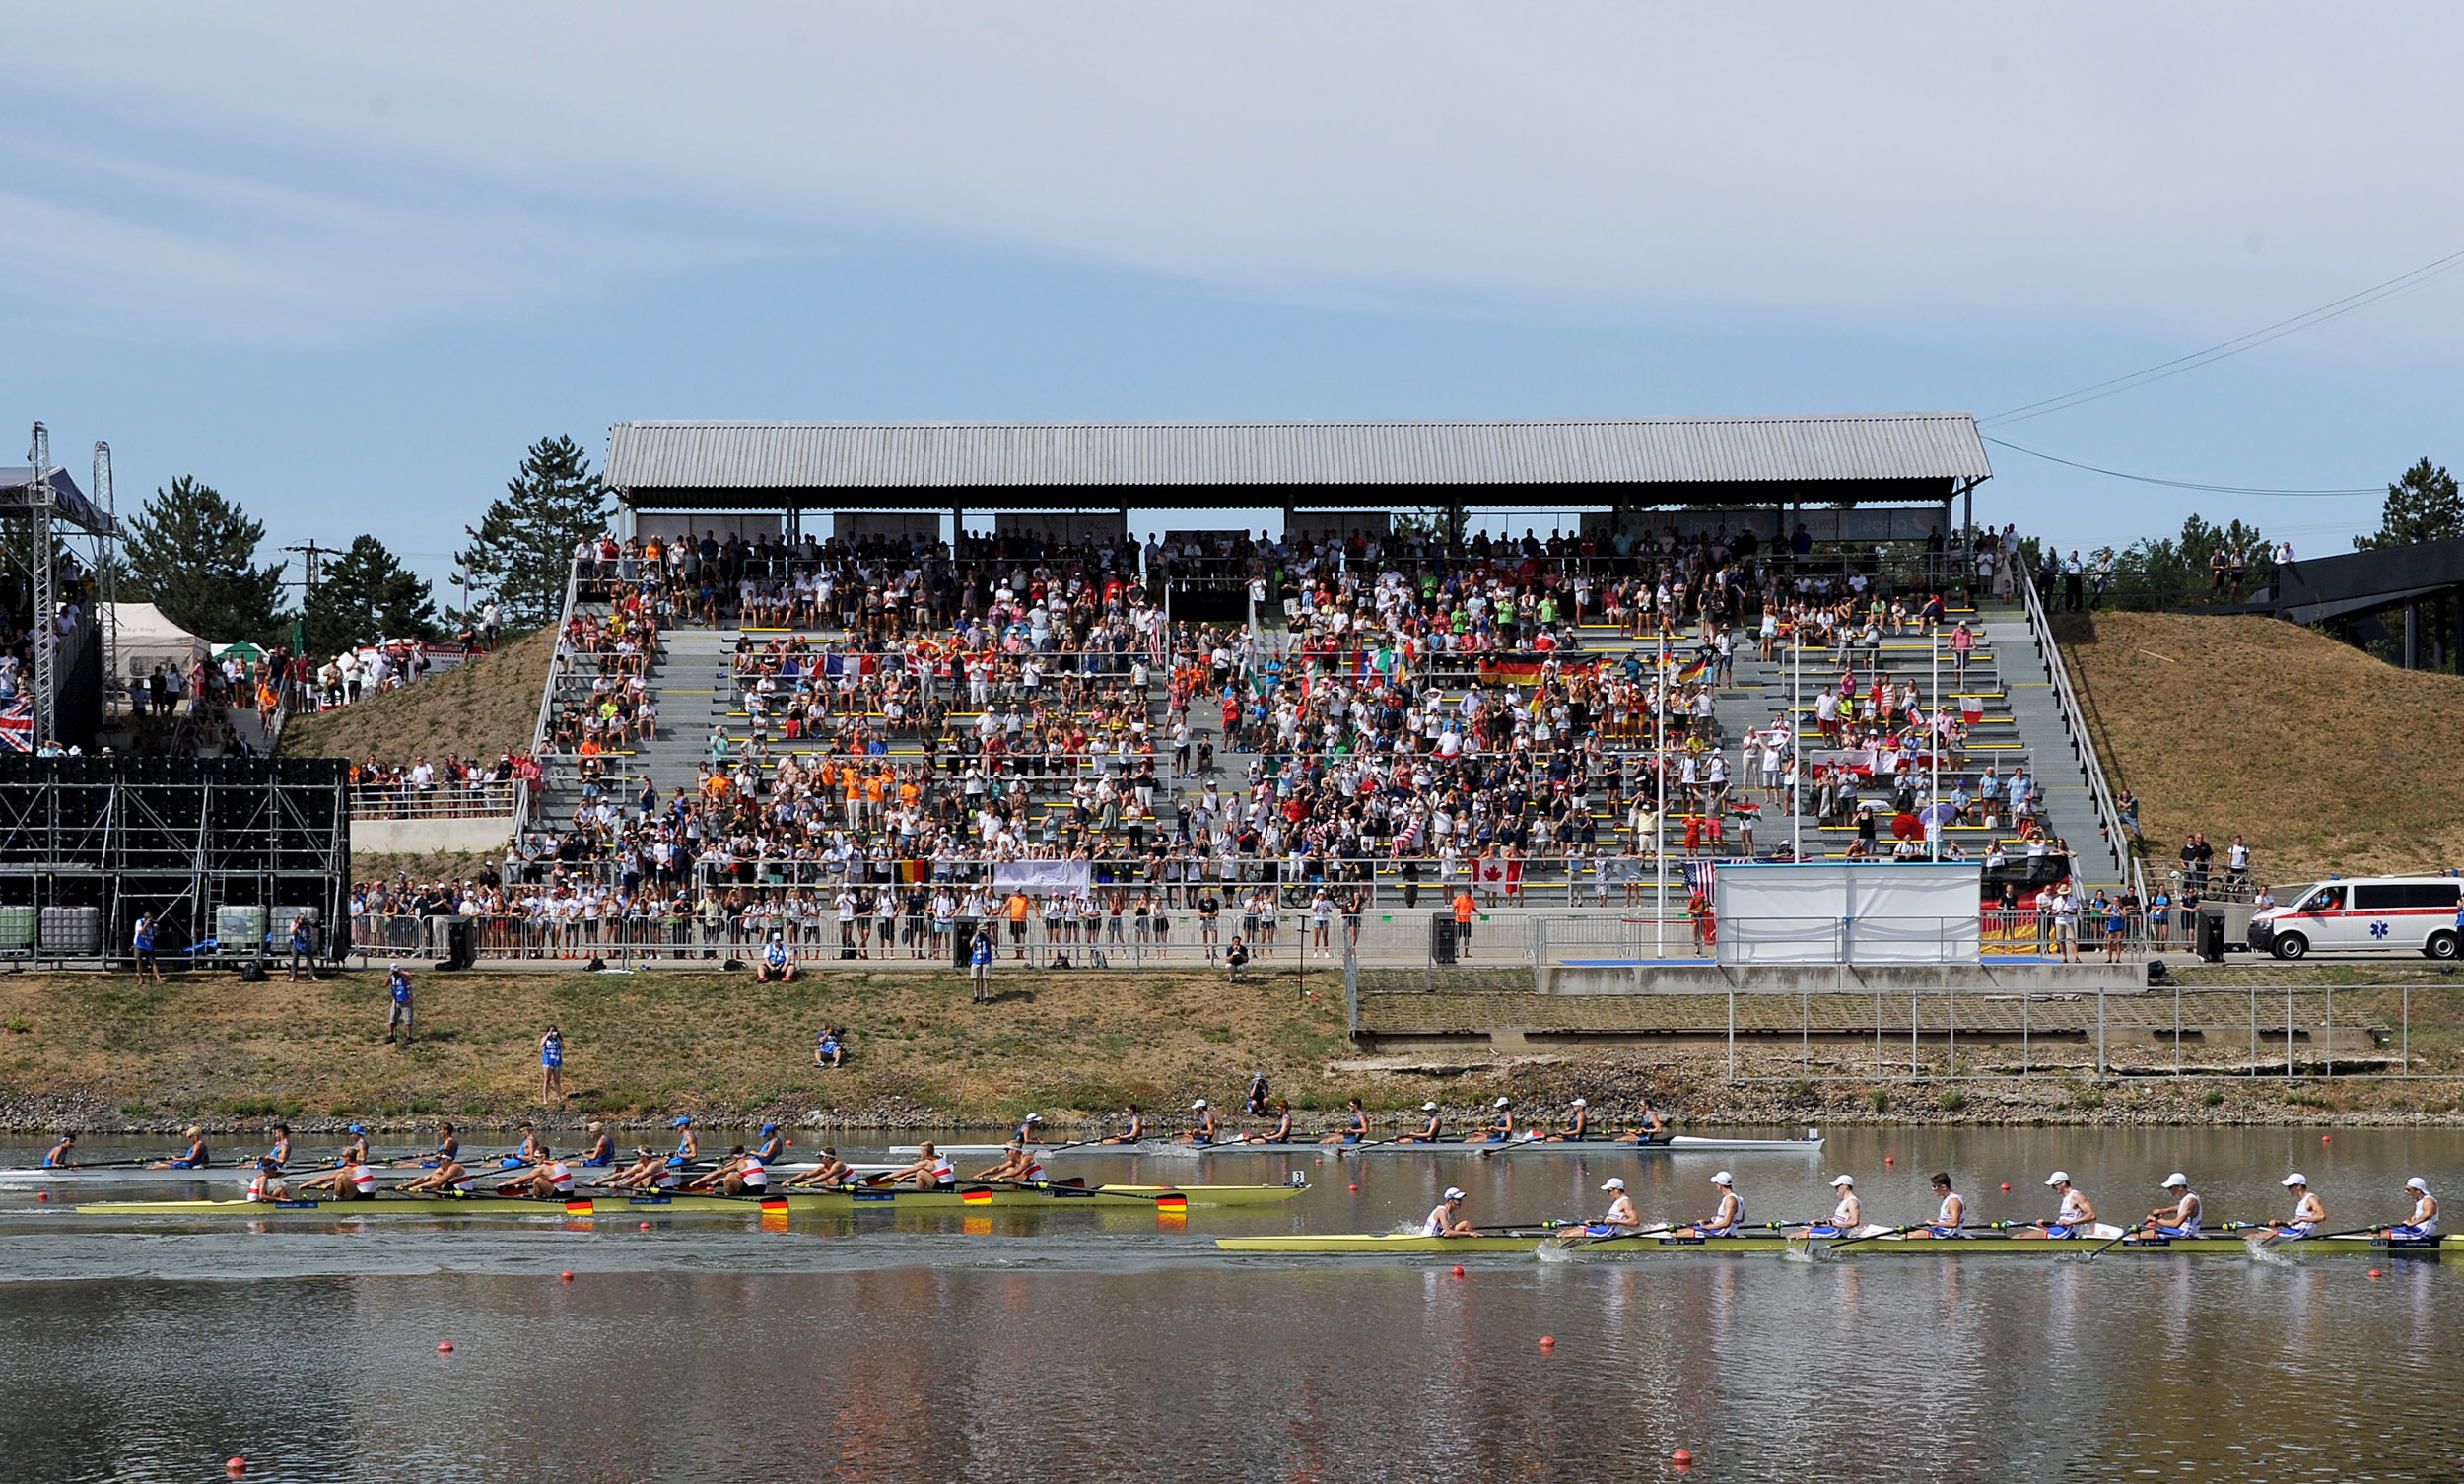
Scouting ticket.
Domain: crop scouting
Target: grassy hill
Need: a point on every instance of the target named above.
(476, 710)
(2324, 758)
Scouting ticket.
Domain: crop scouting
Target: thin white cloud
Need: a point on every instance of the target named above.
(2180, 169)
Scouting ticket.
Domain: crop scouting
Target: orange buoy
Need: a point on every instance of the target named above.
(236, 1468)
(1549, 1342)
(1681, 1458)
(444, 1347)
(1458, 1269)
(568, 1275)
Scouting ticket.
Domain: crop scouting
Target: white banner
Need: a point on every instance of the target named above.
(1042, 878)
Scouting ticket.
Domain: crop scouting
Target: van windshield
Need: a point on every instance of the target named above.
(2321, 899)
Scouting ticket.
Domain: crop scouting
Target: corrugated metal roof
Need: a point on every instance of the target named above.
(1926, 445)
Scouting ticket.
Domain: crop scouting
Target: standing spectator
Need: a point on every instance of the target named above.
(303, 947)
(552, 1067)
(2237, 862)
(399, 1011)
(2074, 579)
(143, 941)
(980, 962)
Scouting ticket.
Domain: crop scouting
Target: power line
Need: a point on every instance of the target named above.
(2164, 369)
(2179, 484)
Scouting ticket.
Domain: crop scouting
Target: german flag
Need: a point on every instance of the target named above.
(1173, 1203)
(576, 1206)
(974, 1197)
(774, 1205)
(1693, 669)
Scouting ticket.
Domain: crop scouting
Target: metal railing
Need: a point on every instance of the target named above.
(2083, 742)
(484, 798)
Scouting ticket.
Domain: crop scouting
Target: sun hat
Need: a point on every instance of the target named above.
(2175, 1179)
(1842, 1180)
(1578, 1103)
(1452, 1195)
(2418, 1183)
(2058, 1177)
(2296, 1178)
(1195, 1106)
(1502, 1103)
(1724, 1179)
(1428, 1108)
(1615, 1184)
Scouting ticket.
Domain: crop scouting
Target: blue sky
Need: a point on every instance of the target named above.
(346, 268)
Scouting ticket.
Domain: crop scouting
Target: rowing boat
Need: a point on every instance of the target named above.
(239, 1174)
(1531, 1241)
(1157, 1148)
(861, 1199)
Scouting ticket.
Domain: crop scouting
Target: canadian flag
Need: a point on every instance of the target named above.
(1488, 871)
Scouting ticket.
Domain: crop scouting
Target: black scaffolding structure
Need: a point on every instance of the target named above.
(88, 846)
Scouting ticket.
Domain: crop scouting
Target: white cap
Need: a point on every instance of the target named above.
(1615, 1184)
(2175, 1179)
(2296, 1178)
(1195, 1106)
(2418, 1183)
(2058, 1177)
(1579, 1102)
(1428, 1108)
(1035, 1118)
(1724, 1179)
(1500, 1102)
(1842, 1180)
(1452, 1195)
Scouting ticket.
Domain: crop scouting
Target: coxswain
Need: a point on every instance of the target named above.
(830, 1170)
(1951, 1217)
(1731, 1215)
(63, 1155)
(1446, 1218)
(2075, 1215)
(2181, 1218)
(1204, 1134)
(1355, 1127)
(447, 1179)
(1131, 1131)
(602, 1150)
(1653, 1129)
(2308, 1214)
(1500, 1128)
(1847, 1216)
(776, 962)
(196, 1157)
(773, 1149)
(280, 1154)
(1578, 1125)
(930, 1171)
(1622, 1213)
(1428, 1128)
(267, 1184)
(2422, 1224)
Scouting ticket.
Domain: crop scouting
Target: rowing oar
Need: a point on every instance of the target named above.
(1344, 1149)
(1870, 1235)
(2273, 1235)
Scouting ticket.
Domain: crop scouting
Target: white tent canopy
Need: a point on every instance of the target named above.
(146, 639)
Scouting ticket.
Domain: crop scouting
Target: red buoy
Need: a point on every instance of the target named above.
(1549, 1342)
(2006, 1187)
(42, 1195)
(1681, 1458)
(1890, 1159)
(2325, 1139)
(2375, 1273)
(569, 1276)
(1458, 1269)
(1355, 1190)
(444, 1347)
(236, 1468)
(646, 1226)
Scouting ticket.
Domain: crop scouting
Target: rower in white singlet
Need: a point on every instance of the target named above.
(2075, 1216)
(267, 1184)
(2308, 1213)
(2181, 1218)
(2422, 1224)
(1846, 1217)
(1446, 1219)
(1621, 1215)
(1729, 1218)
(1951, 1218)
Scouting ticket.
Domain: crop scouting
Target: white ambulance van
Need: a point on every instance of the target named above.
(2374, 914)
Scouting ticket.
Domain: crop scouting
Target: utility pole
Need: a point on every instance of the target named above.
(312, 555)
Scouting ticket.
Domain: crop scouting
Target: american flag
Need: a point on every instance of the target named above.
(17, 725)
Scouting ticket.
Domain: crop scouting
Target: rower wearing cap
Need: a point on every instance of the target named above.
(2308, 1213)
(280, 1154)
(2076, 1214)
(63, 1155)
(2182, 1217)
(602, 1150)
(1030, 1130)
(773, 1145)
(1847, 1216)
(930, 1171)
(196, 1157)
(1730, 1219)
(829, 1171)
(1204, 1134)
(687, 1146)
(1428, 1130)
(1952, 1216)
(267, 1184)
(1622, 1212)
(1578, 1125)
(1355, 1127)
(1653, 1129)
(355, 1152)
(1446, 1218)
(1131, 1130)
(2422, 1224)
(1500, 1128)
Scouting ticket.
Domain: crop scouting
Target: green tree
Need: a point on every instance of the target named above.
(363, 595)
(2163, 571)
(192, 554)
(2422, 506)
(525, 542)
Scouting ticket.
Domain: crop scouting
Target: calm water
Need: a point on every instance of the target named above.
(1104, 1345)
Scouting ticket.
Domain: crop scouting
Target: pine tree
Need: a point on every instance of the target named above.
(525, 543)
(365, 595)
(2422, 506)
(191, 553)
